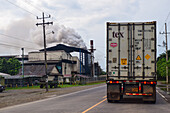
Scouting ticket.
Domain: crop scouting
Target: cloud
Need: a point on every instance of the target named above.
(61, 34)
(18, 35)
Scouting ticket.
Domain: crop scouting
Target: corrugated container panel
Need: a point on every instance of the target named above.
(131, 50)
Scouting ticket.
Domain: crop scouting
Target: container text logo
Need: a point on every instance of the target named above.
(118, 34)
(113, 44)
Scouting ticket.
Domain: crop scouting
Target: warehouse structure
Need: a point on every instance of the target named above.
(61, 65)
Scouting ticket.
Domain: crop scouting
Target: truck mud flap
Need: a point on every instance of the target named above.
(151, 98)
(113, 92)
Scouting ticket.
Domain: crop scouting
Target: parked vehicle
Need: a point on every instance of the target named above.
(131, 60)
(2, 88)
(52, 82)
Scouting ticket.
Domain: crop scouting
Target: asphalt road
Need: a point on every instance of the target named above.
(91, 100)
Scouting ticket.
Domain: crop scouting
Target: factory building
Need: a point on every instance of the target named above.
(61, 64)
(64, 61)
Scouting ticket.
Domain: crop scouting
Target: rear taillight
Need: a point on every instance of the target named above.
(144, 82)
(111, 82)
(138, 94)
(117, 82)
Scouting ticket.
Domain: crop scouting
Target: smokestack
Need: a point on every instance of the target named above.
(92, 58)
(91, 45)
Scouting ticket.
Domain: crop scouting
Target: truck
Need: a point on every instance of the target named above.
(52, 81)
(131, 60)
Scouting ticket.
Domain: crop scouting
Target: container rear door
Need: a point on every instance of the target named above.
(118, 50)
(131, 50)
(144, 51)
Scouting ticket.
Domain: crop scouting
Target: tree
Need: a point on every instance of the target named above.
(163, 55)
(161, 65)
(10, 66)
(103, 73)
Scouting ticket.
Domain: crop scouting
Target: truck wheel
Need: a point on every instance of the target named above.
(121, 97)
(55, 86)
(41, 86)
(109, 101)
(153, 102)
(51, 86)
(116, 101)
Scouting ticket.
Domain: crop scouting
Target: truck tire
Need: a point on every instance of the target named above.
(55, 86)
(153, 102)
(41, 86)
(51, 86)
(109, 101)
(121, 97)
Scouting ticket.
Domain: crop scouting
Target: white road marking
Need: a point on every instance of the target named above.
(161, 95)
(10, 107)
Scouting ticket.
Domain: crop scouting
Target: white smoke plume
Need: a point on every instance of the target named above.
(61, 34)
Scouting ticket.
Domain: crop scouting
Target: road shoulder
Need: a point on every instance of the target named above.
(11, 98)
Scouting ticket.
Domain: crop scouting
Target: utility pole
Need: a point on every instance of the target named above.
(166, 45)
(92, 57)
(22, 65)
(45, 55)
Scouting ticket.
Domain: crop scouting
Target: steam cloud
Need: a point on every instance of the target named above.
(61, 34)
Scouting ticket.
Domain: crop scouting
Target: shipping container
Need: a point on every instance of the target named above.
(131, 60)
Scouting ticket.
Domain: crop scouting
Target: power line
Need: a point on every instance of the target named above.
(20, 7)
(167, 17)
(15, 38)
(39, 9)
(165, 21)
(16, 46)
(25, 1)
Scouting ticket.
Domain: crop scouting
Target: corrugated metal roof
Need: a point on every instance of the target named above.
(5, 75)
(67, 49)
(38, 70)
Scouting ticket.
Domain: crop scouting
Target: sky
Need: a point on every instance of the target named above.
(76, 22)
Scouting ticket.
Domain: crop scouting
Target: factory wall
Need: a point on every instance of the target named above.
(51, 55)
(67, 67)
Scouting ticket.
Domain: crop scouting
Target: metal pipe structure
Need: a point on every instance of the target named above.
(22, 65)
(80, 60)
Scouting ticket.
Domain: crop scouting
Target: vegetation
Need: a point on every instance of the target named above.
(10, 66)
(161, 66)
(25, 87)
(60, 86)
(103, 73)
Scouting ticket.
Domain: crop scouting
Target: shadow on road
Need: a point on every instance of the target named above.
(138, 100)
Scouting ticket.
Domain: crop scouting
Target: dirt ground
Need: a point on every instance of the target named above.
(14, 97)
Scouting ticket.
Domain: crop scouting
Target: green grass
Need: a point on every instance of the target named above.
(61, 86)
(30, 87)
(96, 83)
(68, 85)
